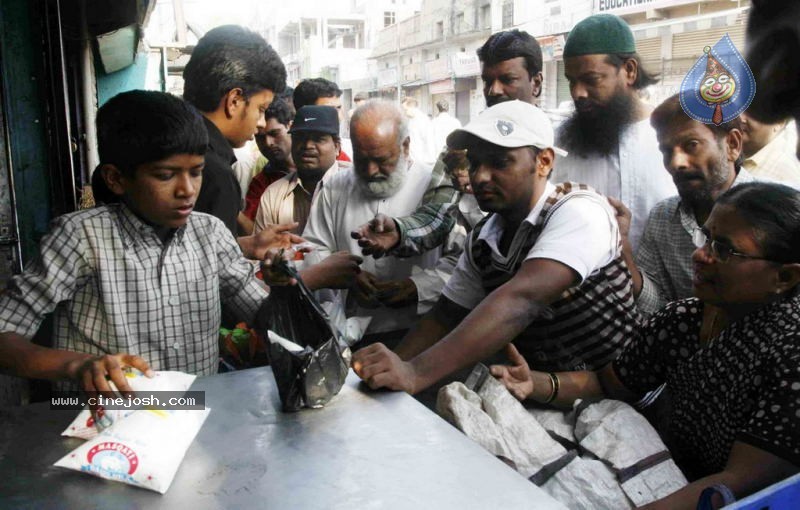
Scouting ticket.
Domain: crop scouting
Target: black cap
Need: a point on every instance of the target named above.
(322, 119)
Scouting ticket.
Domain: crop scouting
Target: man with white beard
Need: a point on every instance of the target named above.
(393, 291)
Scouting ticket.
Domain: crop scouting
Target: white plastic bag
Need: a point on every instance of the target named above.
(145, 449)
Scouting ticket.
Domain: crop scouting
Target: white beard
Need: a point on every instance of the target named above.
(387, 187)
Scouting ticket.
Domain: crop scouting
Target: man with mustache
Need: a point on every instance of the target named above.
(611, 145)
(392, 291)
(511, 68)
(704, 161)
(314, 146)
(275, 144)
(545, 270)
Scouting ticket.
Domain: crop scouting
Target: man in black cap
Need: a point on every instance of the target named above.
(315, 144)
(611, 145)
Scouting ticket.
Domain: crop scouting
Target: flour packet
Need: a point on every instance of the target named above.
(144, 450)
(84, 426)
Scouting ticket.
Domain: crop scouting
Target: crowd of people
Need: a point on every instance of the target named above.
(635, 254)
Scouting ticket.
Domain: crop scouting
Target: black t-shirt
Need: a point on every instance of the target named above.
(743, 385)
(220, 194)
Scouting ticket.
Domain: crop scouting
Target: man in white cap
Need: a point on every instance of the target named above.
(544, 270)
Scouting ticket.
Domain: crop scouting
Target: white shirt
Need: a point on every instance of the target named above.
(582, 234)
(340, 206)
(443, 125)
(636, 175)
(247, 159)
(777, 159)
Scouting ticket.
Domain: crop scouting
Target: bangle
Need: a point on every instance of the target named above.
(555, 385)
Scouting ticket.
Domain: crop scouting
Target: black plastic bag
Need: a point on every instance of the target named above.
(314, 375)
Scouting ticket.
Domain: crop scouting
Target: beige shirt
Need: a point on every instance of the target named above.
(776, 160)
(277, 201)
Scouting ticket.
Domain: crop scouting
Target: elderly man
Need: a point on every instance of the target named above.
(545, 270)
(611, 145)
(511, 68)
(704, 161)
(384, 180)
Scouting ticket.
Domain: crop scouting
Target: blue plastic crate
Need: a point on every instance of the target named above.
(783, 495)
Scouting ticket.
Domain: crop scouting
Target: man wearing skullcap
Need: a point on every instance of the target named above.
(611, 145)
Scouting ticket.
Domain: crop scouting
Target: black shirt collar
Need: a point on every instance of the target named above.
(218, 144)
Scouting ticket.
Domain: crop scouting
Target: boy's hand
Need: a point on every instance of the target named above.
(93, 373)
(378, 236)
(273, 237)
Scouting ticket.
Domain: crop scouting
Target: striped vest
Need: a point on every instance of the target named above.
(591, 322)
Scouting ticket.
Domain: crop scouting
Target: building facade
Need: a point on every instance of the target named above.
(431, 55)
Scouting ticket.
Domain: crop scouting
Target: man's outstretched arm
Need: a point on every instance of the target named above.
(497, 320)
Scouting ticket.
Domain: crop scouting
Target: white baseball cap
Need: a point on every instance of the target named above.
(508, 124)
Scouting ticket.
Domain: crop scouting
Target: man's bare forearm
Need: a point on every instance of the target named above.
(20, 357)
(490, 326)
(433, 326)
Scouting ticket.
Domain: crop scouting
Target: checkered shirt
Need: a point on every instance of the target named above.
(665, 252)
(431, 222)
(114, 287)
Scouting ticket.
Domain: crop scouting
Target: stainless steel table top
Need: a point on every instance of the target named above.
(364, 450)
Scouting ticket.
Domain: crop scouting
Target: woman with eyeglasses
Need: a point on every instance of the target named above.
(730, 355)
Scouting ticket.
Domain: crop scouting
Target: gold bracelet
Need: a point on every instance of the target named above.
(554, 387)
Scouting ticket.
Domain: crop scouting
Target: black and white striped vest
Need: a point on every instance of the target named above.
(591, 322)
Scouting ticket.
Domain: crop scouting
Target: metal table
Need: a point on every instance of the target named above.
(364, 450)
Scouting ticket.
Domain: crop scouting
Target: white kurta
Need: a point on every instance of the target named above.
(339, 207)
(635, 175)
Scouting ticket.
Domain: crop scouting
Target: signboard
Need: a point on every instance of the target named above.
(632, 6)
(552, 47)
(466, 64)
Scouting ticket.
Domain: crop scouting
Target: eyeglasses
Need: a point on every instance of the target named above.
(719, 250)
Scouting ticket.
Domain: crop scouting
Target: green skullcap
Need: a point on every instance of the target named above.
(600, 34)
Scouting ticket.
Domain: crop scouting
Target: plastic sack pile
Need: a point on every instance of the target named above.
(307, 348)
(601, 455)
(143, 447)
